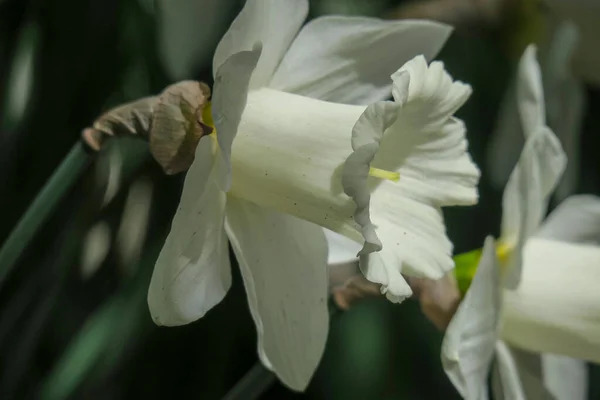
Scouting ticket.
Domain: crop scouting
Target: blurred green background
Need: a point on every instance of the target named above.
(73, 316)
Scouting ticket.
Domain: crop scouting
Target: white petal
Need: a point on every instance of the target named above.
(530, 92)
(341, 249)
(575, 220)
(192, 272)
(468, 346)
(427, 146)
(350, 59)
(274, 23)
(527, 193)
(529, 368)
(564, 100)
(283, 263)
(507, 370)
(229, 99)
(556, 308)
(566, 378)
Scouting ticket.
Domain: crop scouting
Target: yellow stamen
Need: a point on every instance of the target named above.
(466, 263)
(383, 174)
(207, 115)
(503, 251)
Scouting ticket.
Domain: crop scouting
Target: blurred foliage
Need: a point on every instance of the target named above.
(69, 334)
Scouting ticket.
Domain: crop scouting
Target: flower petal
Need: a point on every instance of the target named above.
(530, 92)
(507, 372)
(469, 342)
(556, 307)
(566, 378)
(341, 249)
(427, 147)
(350, 59)
(530, 373)
(229, 99)
(527, 194)
(575, 220)
(565, 100)
(284, 265)
(192, 272)
(274, 23)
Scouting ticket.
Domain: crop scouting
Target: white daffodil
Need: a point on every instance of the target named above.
(564, 105)
(556, 308)
(472, 338)
(270, 176)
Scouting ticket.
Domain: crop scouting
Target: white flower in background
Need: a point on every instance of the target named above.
(472, 338)
(556, 308)
(271, 176)
(563, 104)
(585, 14)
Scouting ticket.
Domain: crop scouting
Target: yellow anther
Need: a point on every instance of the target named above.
(383, 174)
(503, 251)
(207, 115)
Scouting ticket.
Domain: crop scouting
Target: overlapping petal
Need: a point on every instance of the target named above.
(284, 265)
(469, 342)
(566, 377)
(527, 193)
(507, 373)
(530, 93)
(350, 59)
(341, 249)
(575, 220)
(192, 273)
(229, 99)
(274, 23)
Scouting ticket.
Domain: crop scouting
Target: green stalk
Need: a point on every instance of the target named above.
(465, 268)
(38, 212)
(100, 341)
(259, 379)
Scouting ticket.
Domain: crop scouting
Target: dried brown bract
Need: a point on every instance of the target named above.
(172, 123)
(439, 298)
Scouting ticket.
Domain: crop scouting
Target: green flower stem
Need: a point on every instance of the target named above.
(53, 191)
(100, 342)
(252, 385)
(259, 379)
(465, 267)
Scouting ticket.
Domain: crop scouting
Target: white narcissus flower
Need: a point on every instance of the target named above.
(563, 105)
(287, 112)
(472, 338)
(556, 308)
